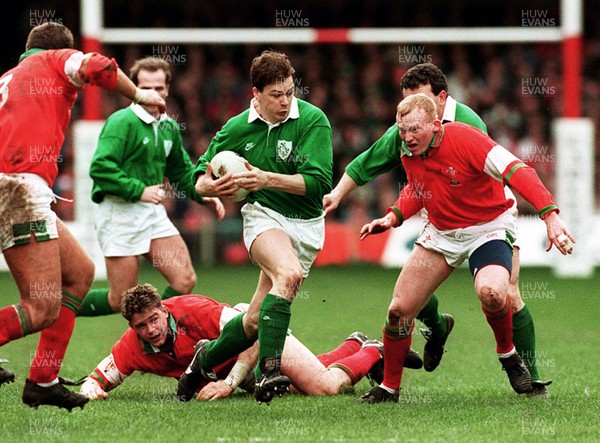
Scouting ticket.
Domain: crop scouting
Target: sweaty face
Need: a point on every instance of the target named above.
(157, 81)
(151, 325)
(416, 130)
(275, 100)
(439, 100)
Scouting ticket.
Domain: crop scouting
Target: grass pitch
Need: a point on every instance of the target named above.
(467, 398)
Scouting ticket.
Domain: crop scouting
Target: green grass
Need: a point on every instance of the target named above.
(467, 398)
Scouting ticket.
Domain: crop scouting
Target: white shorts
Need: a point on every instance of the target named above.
(25, 210)
(513, 210)
(307, 236)
(456, 245)
(126, 229)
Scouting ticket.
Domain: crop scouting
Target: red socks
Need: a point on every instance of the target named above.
(346, 349)
(53, 342)
(501, 323)
(396, 345)
(358, 364)
(15, 322)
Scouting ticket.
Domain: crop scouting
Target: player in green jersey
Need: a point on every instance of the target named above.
(383, 156)
(137, 148)
(287, 144)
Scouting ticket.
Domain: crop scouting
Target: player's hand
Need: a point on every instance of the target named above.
(253, 180)
(214, 390)
(152, 98)
(224, 186)
(331, 201)
(92, 390)
(153, 194)
(557, 230)
(378, 225)
(216, 205)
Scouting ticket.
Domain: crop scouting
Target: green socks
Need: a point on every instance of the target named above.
(524, 340)
(230, 343)
(95, 303)
(430, 316)
(273, 322)
(169, 292)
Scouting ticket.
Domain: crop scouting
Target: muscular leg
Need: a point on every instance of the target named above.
(423, 272)
(122, 273)
(307, 373)
(171, 257)
(77, 272)
(273, 252)
(35, 267)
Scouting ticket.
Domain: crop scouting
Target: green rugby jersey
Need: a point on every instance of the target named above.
(135, 151)
(299, 145)
(384, 155)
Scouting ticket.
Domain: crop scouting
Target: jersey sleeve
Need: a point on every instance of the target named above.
(502, 165)
(316, 148)
(92, 68)
(105, 168)
(407, 205)
(381, 157)
(107, 374)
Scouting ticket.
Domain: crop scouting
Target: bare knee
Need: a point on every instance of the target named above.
(288, 281)
(491, 297)
(44, 312)
(114, 301)
(250, 323)
(185, 282)
(399, 317)
(80, 283)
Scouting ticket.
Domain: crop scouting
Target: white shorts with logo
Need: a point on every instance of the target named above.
(307, 236)
(513, 210)
(25, 210)
(456, 245)
(126, 228)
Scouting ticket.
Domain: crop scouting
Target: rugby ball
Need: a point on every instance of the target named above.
(229, 161)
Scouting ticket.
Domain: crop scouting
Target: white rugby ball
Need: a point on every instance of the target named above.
(229, 161)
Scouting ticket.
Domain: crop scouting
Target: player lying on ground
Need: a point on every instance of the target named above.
(162, 336)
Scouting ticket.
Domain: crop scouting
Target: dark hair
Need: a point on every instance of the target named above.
(139, 299)
(50, 35)
(151, 64)
(268, 68)
(425, 74)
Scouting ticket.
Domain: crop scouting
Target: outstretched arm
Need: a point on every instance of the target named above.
(332, 200)
(104, 378)
(224, 388)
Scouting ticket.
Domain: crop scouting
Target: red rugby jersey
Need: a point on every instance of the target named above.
(460, 180)
(36, 98)
(195, 317)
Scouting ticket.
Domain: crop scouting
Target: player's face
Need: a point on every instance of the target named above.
(439, 100)
(151, 325)
(157, 81)
(275, 100)
(416, 130)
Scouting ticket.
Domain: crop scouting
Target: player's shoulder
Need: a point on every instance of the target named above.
(465, 114)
